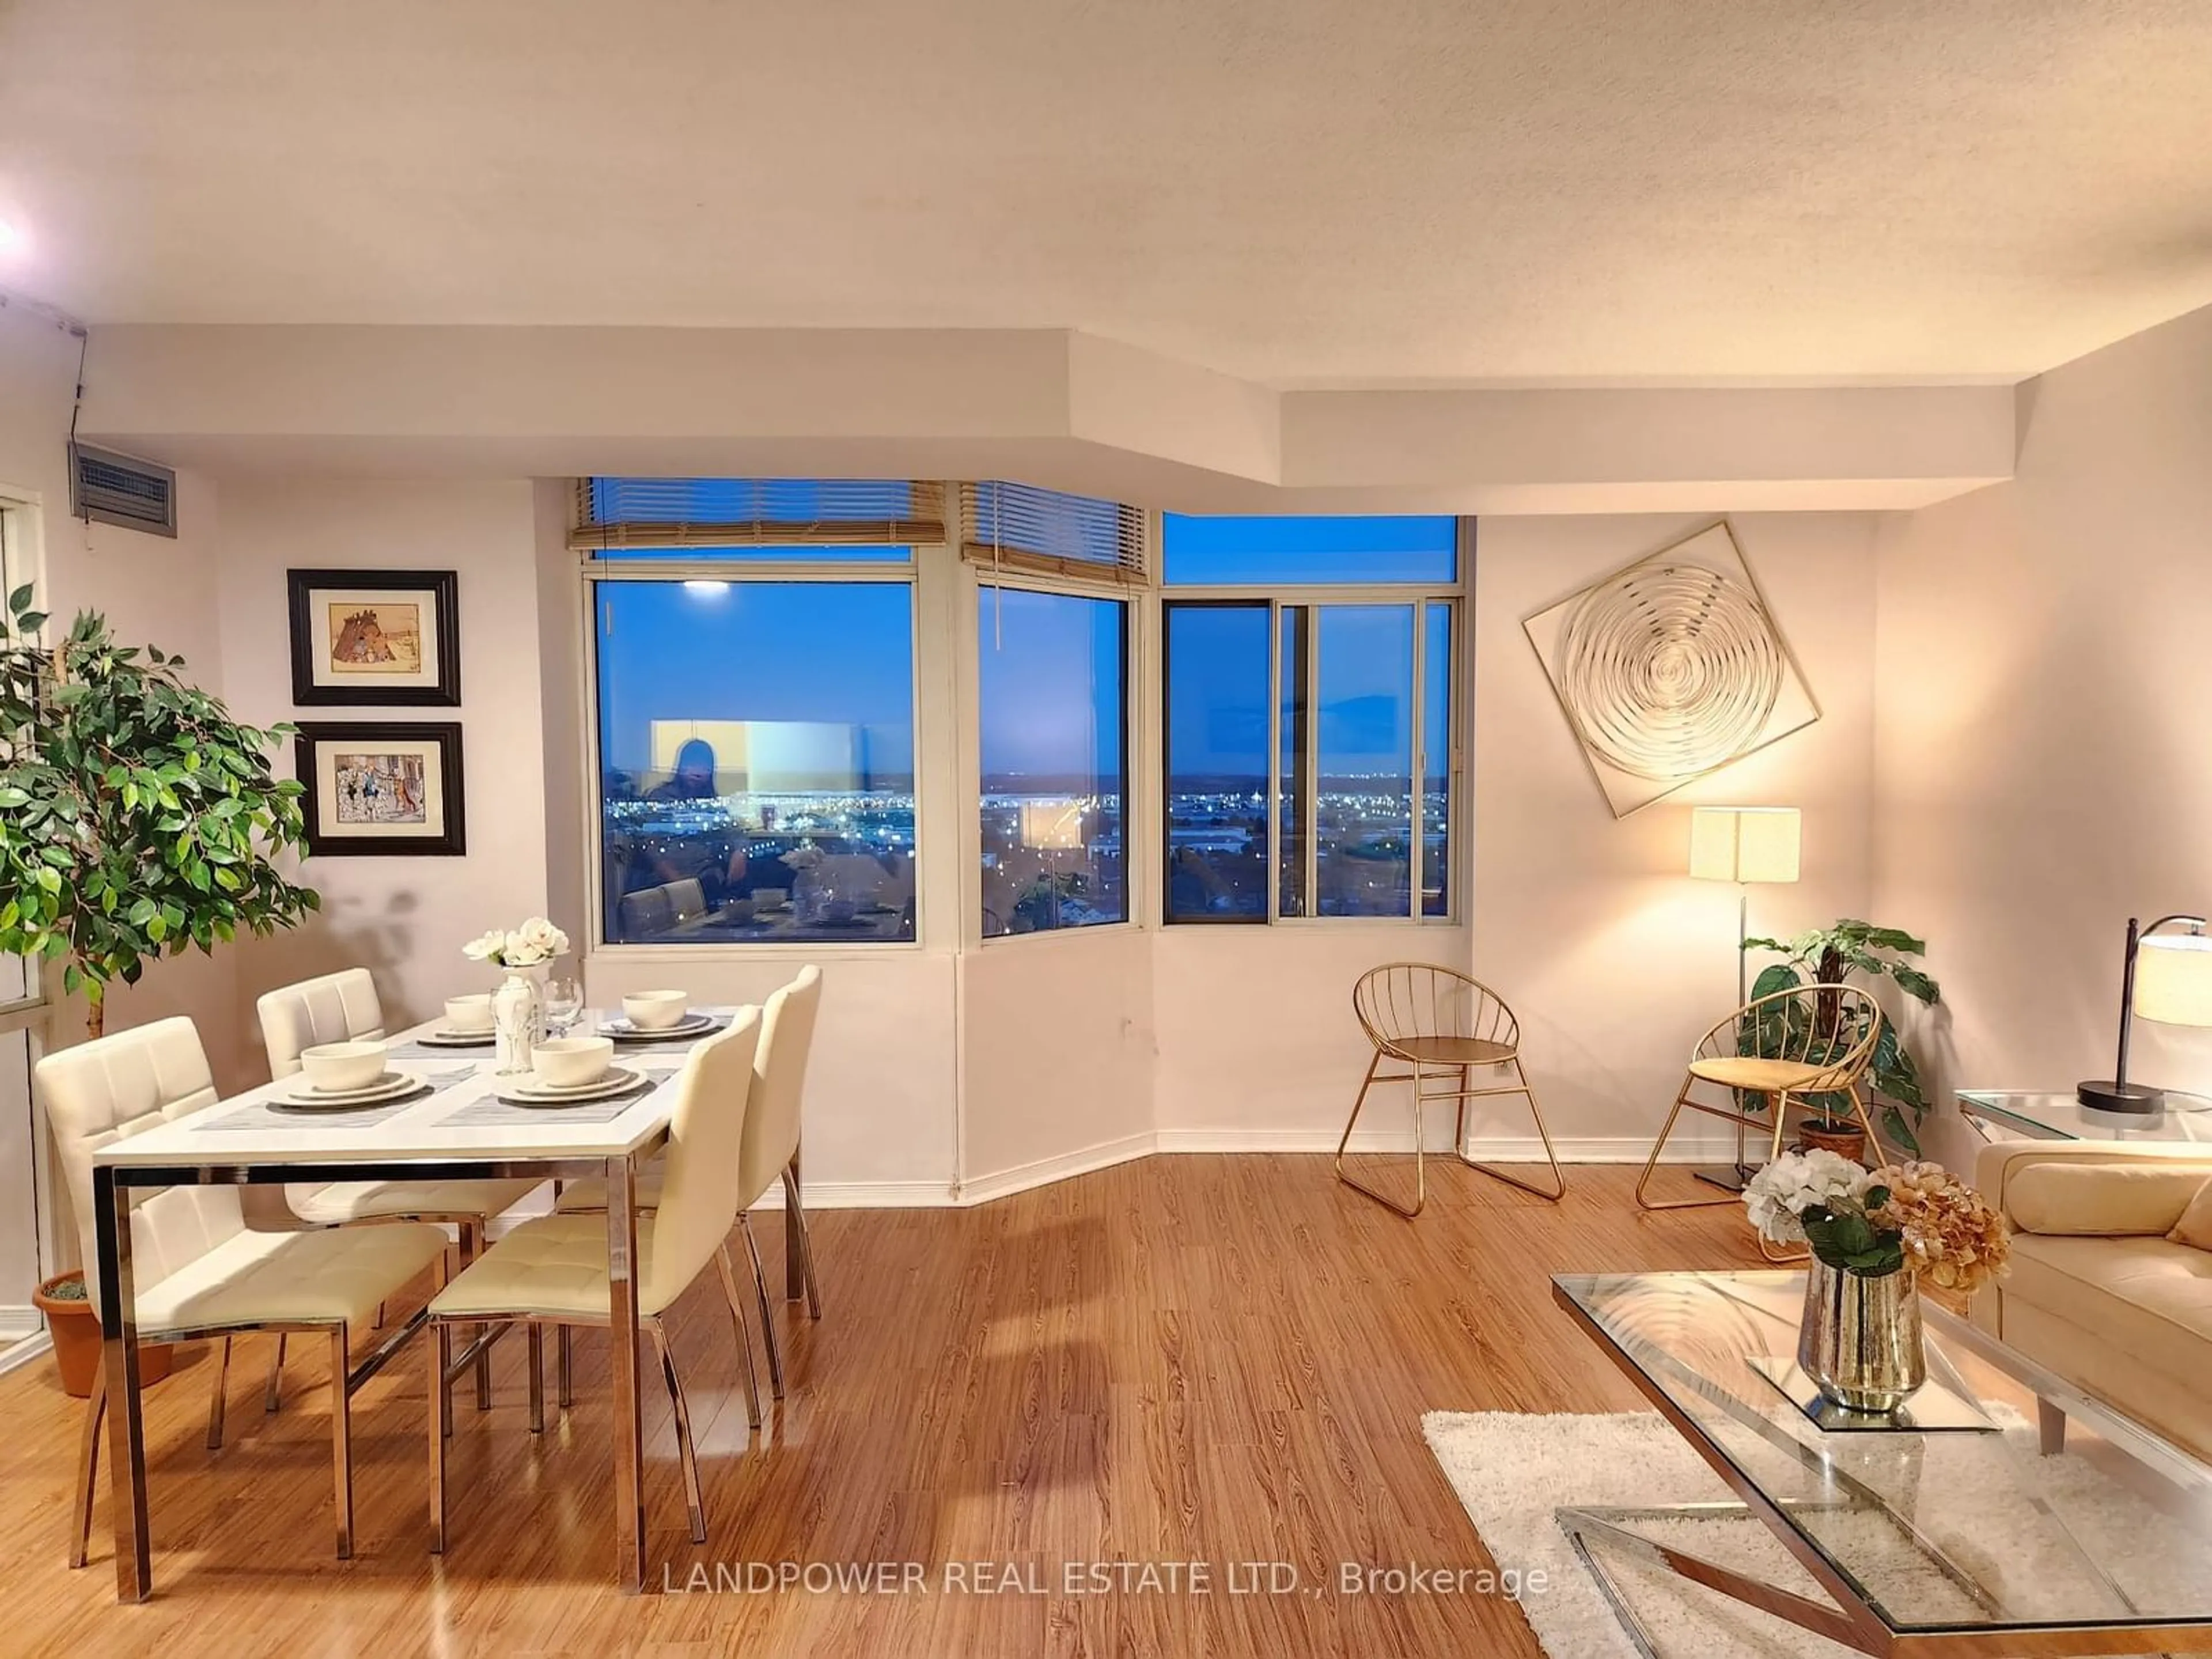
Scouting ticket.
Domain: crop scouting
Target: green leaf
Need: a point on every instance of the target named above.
(20, 600)
(1916, 983)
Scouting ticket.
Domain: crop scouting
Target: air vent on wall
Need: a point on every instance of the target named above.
(117, 489)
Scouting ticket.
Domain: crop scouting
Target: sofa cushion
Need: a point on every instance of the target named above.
(2195, 1227)
(2099, 1200)
(2148, 1299)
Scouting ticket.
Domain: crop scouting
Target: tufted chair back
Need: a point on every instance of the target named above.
(340, 1007)
(699, 1184)
(118, 1086)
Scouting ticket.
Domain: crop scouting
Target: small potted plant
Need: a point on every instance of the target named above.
(1830, 956)
(1873, 1236)
(74, 1329)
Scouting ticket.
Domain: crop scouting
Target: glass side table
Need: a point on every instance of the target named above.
(2056, 1116)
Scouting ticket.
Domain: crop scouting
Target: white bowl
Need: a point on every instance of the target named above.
(571, 1062)
(334, 1067)
(655, 1011)
(468, 1014)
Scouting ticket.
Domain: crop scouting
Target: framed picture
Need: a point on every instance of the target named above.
(376, 637)
(380, 787)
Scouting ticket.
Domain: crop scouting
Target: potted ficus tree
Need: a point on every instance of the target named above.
(137, 818)
(1830, 955)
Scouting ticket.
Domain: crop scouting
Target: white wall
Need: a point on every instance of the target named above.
(1057, 1052)
(152, 589)
(1615, 960)
(405, 918)
(2045, 768)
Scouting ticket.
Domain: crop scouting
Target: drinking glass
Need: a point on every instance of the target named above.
(564, 1001)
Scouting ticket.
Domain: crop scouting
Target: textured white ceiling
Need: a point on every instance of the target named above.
(1307, 191)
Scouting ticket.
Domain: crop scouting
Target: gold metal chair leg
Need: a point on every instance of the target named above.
(1557, 1189)
(218, 1395)
(689, 1456)
(564, 1367)
(1651, 1163)
(744, 1342)
(1420, 1169)
(274, 1394)
(440, 1351)
(88, 1469)
(1781, 1256)
(767, 1308)
(342, 1438)
(1876, 1152)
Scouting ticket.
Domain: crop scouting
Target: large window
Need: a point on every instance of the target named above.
(1309, 740)
(755, 734)
(1052, 696)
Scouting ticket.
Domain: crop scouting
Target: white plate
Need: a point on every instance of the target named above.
(692, 1024)
(390, 1086)
(529, 1091)
(444, 1038)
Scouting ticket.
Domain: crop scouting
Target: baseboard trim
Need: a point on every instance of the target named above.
(1045, 1170)
(19, 1320)
(25, 1351)
(1065, 1166)
(1492, 1149)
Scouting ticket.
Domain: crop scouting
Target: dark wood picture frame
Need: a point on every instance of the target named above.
(309, 645)
(447, 734)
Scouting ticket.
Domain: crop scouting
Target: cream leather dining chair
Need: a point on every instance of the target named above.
(196, 1270)
(343, 1007)
(553, 1270)
(771, 1145)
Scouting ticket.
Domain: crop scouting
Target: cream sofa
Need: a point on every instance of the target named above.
(2097, 1293)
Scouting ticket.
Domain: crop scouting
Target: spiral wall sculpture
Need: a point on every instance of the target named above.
(1669, 669)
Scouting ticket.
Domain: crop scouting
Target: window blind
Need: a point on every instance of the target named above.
(694, 513)
(1017, 526)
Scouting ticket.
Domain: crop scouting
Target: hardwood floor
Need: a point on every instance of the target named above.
(1210, 1359)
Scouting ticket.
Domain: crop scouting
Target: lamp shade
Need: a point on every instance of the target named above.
(1744, 843)
(2173, 979)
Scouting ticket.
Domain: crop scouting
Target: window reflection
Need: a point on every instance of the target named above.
(1217, 762)
(758, 739)
(1051, 694)
(1363, 798)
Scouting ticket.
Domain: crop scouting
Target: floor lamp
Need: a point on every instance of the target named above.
(1742, 844)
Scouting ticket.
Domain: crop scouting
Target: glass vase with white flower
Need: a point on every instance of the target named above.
(1872, 1236)
(519, 1005)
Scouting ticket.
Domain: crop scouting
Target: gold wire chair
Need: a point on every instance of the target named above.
(1808, 1039)
(1442, 1025)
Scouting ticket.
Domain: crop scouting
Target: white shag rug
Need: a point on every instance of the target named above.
(1511, 1472)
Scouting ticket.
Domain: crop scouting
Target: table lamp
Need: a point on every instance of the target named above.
(1744, 844)
(2165, 977)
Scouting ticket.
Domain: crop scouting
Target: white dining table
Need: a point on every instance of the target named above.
(460, 1131)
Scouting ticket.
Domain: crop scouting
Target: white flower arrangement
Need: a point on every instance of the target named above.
(1778, 1196)
(537, 941)
(804, 856)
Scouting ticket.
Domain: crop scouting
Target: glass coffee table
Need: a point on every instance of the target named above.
(2046, 1115)
(2067, 1531)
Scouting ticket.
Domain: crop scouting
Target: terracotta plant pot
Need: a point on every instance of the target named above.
(1819, 1135)
(75, 1331)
